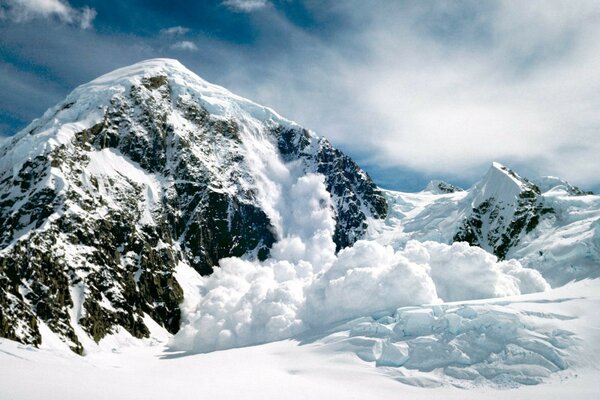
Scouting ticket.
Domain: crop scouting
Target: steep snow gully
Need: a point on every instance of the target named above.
(153, 218)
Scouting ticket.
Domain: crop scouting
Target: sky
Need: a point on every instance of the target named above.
(412, 90)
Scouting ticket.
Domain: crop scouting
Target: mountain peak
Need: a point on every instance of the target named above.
(168, 63)
(147, 68)
(440, 187)
(501, 183)
(497, 167)
(152, 80)
(170, 74)
(158, 72)
(503, 208)
(553, 183)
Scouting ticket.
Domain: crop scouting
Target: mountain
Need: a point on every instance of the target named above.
(553, 227)
(138, 173)
(146, 178)
(547, 183)
(504, 207)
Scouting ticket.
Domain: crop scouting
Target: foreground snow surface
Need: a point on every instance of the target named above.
(514, 342)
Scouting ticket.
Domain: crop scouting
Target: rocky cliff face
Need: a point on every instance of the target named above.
(505, 207)
(548, 225)
(135, 173)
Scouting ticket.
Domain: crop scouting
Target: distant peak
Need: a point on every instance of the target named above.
(554, 183)
(501, 182)
(503, 168)
(497, 168)
(441, 187)
(497, 165)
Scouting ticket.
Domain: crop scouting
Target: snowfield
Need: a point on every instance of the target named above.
(495, 348)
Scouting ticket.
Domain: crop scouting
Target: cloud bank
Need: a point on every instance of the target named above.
(435, 89)
(184, 45)
(175, 30)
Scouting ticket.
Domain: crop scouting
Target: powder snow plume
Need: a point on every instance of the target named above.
(305, 285)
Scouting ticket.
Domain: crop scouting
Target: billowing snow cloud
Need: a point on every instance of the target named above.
(26, 10)
(305, 285)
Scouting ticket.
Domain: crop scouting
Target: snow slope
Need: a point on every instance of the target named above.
(305, 285)
(352, 361)
(555, 231)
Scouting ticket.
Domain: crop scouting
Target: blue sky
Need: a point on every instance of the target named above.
(412, 90)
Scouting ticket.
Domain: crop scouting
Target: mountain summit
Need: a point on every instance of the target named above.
(504, 207)
(137, 173)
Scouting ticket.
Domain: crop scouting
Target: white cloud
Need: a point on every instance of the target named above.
(27, 10)
(175, 30)
(245, 5)
(441, 88)
(445, 88)
(184, 45)
(87, 17)
(525, 96)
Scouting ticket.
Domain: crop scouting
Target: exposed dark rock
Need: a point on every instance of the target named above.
(497, 225)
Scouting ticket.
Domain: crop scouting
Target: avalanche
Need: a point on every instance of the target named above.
(137, 172)
(306, 286)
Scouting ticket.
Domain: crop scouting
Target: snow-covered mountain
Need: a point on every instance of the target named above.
(152, 204)
(552, 226)
(139, 171)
